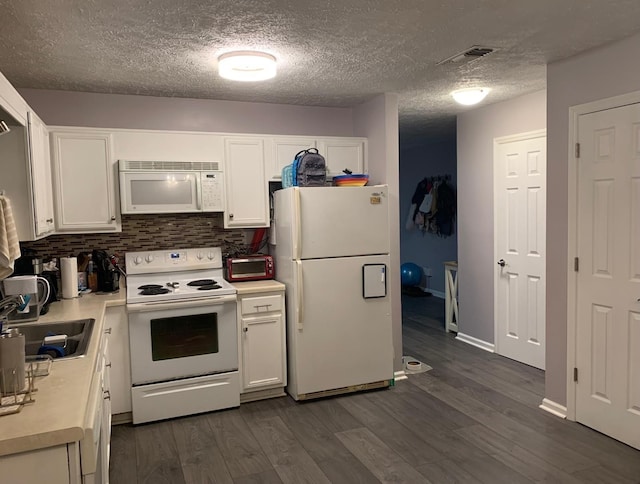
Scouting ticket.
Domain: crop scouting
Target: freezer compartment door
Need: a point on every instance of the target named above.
(337, 338)
(323, 222)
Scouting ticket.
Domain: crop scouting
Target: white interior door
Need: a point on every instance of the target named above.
(520, 213)
(608, 279)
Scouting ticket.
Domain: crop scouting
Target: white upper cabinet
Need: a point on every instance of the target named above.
(282, 152)
(341, 153)
(247, 197)
(143, 145)
(25, 178)
(84, 188)
(41, 171)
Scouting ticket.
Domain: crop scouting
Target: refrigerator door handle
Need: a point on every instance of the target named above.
(300, 301)
(297, 237)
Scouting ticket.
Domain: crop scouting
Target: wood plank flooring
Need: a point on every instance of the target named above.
(474, 418)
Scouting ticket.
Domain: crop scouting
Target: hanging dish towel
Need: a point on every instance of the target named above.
(9, 245)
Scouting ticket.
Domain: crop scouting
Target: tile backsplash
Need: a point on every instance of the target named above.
(147, 232)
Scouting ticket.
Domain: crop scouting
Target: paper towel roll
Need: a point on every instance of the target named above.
(69, 268)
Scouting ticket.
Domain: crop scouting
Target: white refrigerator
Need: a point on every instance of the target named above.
(331, 250)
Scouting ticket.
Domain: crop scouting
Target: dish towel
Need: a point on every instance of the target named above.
(9, 244)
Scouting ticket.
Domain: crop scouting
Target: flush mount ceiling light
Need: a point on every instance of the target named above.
(247, 66)
(470, 96)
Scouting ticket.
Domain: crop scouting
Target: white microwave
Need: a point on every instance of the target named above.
(170, 186)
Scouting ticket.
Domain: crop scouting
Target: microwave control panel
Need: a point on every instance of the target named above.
(212, 191)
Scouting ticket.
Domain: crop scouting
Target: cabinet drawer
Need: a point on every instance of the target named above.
(262, 304)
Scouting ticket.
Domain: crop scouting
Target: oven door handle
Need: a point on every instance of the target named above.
(181, 303)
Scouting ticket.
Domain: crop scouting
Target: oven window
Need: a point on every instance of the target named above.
(183, 336)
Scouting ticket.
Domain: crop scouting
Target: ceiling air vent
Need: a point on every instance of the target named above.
(472, 53)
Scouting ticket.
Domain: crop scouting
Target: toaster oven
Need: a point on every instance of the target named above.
(250, 268)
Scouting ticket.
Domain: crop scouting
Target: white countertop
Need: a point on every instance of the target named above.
(253, 287)
(58, 414)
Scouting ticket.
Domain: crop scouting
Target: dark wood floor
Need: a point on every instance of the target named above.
(473, 418)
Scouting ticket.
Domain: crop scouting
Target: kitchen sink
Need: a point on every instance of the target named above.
(78, 337)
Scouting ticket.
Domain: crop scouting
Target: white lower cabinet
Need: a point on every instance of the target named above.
(84, 181)
(86, 461)
(120, 365)
(50, 465)
(262, 344)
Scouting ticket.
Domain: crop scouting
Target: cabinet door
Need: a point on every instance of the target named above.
(120, 370)
(247, 194)
(84, 187)
(283, 150)
(41, 175)
(262, 351)
(105, 430)
(341, 153)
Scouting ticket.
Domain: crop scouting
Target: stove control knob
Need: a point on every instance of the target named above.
(200, 255)
(138, 260)
(211, 255)
(149, 258)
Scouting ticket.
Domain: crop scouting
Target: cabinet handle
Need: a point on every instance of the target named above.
(107, 331)
(113, 218)
(49, 220)
(107, 395)
(245, 329)
(108, 365)
(230, 215)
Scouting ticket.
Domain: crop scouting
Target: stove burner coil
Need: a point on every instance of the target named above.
(202, 282)
(153, 291)
(209, 287)
(150, 286)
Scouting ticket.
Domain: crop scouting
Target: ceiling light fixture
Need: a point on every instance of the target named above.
(247, 66)
(470, 96)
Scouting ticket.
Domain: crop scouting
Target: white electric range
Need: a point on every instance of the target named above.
(182, 333)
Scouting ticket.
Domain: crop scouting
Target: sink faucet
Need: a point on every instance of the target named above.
(10, 303)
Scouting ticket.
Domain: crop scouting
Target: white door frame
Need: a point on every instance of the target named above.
(572, 217)
(499, 141)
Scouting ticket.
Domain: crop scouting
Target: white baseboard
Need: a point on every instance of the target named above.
(478, 343)
(399, 375)
(553, 408)
(439, 294)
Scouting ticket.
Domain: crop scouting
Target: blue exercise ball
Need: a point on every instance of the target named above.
(410, 274)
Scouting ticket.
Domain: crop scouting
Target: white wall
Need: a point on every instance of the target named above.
(378, 121)
(477, 129)
(605, 72)
(66, 108)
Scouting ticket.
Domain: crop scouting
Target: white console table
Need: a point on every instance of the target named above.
(451, 296)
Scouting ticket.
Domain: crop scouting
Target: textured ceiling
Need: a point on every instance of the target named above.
(330, 53)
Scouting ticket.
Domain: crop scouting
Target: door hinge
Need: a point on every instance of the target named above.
(576, 264)
(577, 150)
(575, 374)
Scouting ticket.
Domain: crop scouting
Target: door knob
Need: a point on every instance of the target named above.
(502, 263)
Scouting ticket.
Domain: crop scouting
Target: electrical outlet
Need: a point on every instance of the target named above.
(427, 271)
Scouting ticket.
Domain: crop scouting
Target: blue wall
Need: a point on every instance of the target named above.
(420, 159)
